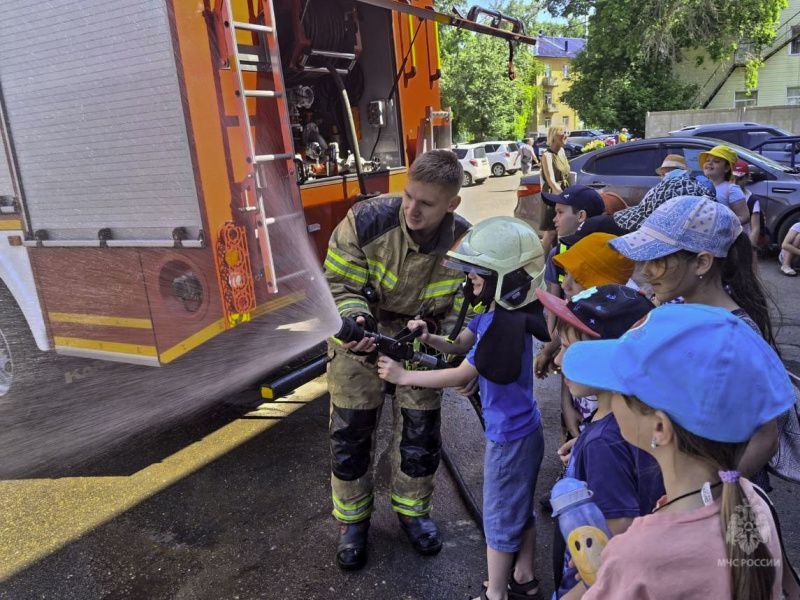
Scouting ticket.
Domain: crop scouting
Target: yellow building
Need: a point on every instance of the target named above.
(556, 54)
(722, 84)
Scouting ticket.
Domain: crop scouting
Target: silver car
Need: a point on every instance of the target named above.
(629, 170)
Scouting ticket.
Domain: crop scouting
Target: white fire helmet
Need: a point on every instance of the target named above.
(509, 250)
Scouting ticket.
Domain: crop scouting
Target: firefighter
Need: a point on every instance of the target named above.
(384, 267)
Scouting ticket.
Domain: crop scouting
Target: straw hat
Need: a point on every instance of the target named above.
(672, 161)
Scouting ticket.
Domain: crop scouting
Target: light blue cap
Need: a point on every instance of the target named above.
(703, 366)
(693, 223)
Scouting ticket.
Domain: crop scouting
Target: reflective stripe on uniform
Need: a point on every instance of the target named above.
(382, 274)
(458, 303)
(352, 304)
(440, 288)
(353, 512)
(346, 269)
(412, 508)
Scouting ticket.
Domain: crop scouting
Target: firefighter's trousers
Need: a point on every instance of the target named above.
(356, 402)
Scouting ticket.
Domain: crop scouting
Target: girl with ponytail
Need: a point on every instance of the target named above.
(712, 535)
(693, 248)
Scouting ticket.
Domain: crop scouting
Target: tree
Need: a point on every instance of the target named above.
(475, 82)
(628, 65)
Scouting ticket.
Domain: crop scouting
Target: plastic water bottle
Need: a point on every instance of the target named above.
(582, 524)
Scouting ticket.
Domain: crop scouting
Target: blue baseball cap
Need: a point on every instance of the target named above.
(703, 366)
(693, 223)
(579, 197)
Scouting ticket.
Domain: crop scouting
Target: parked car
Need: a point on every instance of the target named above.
(747, 135)
(630, 171)
(502, 156)
(476, 166)
(584, 136)
(570, 149)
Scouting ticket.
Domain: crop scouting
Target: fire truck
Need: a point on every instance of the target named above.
(171, 170)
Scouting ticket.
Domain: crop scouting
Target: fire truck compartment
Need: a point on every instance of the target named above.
(96, 120)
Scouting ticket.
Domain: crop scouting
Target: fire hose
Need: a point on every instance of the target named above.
(400, 349)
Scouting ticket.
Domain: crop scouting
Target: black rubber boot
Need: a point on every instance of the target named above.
(422, 533)
(351, 552)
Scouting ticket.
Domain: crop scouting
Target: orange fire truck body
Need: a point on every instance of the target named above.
(165, 158)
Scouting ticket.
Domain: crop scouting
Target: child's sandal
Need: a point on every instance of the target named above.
(519, 591)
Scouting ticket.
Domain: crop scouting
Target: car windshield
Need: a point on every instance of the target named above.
(460, 152)
(480, 152)
(755, 157)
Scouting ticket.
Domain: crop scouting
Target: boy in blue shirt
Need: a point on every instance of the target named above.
(573, 207)
(504, 261)
(626, 481)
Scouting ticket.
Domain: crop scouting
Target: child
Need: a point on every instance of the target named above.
(589, 262)
(694, 248)
(626, 482)
(711, 535)
(572, 206)
(504, 261)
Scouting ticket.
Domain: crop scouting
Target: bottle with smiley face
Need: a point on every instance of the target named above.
(582, 524)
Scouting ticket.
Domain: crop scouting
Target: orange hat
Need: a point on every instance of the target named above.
(592, 262)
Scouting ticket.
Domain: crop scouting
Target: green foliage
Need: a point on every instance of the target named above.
(475, 84)
(628, 66)
(486, 104)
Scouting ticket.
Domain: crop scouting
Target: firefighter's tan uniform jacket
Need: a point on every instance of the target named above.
(372, 248)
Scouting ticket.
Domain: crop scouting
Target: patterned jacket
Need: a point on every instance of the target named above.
(632, 218)
(372, 248)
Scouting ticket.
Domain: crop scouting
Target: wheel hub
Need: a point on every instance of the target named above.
(6, 366)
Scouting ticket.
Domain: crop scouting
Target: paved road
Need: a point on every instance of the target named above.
(234, 503)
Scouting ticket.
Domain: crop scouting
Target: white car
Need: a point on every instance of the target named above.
(502, 156)
(473, 158)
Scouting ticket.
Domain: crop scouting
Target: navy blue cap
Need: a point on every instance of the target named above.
(579, 197)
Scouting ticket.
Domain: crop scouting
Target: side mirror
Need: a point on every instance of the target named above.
(757, 175)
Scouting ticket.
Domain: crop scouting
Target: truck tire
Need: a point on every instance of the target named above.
(22, 365)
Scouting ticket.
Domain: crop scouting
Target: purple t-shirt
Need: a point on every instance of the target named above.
(509, 411)
(625, 480)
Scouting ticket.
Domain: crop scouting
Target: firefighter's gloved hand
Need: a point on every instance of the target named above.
(391, 370)
(419, 324)
(365, 345)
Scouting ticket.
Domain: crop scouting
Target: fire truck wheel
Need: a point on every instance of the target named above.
(22, 364)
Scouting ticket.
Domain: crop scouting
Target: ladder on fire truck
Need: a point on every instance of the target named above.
(255, 179)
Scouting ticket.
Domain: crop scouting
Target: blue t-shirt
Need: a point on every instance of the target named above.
(625, 481)
(509, 411)
(552, 272)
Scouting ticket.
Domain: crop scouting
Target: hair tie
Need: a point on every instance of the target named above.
(730, 476)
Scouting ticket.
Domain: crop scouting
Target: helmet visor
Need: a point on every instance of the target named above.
(454, 263)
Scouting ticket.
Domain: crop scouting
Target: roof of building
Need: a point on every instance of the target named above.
(559, 47)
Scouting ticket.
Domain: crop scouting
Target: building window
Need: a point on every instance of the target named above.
(548, 97)
(741, 99)
(565, 71)
(793, 96)
(794, 47)
(548, 70)
(547, 122)
(565, 121)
